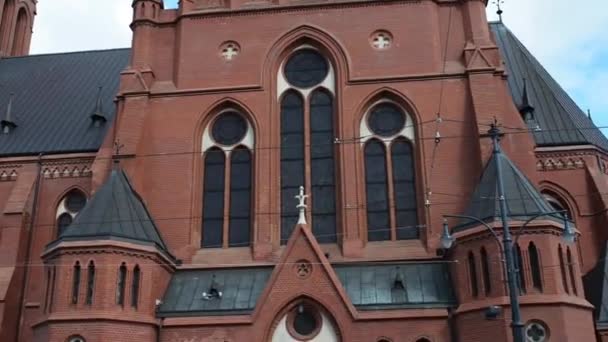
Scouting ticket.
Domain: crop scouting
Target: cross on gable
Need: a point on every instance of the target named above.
(381, 42)
(230, 52)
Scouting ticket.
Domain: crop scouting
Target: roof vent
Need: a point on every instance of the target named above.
(214, 291)
(398, 283)
(98, 116)
(7, 124)
(526, 109)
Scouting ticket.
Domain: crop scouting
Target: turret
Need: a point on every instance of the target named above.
(16, 23)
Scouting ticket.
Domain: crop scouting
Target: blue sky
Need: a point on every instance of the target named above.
(569, 38)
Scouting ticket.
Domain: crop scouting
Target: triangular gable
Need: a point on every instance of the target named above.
(304, 271)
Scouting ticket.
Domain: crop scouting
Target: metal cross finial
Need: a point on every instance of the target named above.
(230, 52)
(499, 10)
(302, 206)
(381, 42)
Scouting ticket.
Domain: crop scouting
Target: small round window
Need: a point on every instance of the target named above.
(76, 339)
(536, 332)
(306, 68)
(229, 129)
(386, 119)
(304, 322)
(75, 201)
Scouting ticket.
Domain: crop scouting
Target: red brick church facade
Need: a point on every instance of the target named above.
(149, 194)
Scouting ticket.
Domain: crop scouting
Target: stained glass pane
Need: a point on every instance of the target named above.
(386, 119)
(239, 233)
(292, 160)
(63, 222)
(322, 167)
(306, 68)
(405, 190)
(378, 223)
(213, 198)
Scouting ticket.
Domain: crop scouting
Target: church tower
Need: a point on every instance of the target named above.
(16, 23)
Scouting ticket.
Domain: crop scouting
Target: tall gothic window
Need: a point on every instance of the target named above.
(473, 275)
(68, 208)
(390, 181)
(227, 196)
(485, 270)
(535, 268)
(20, 31)
(571, 271)
(307, 142)
(562, 268)
(120, 284)
(76, 282)
(135, 286)
(519, 265)
(90, 283)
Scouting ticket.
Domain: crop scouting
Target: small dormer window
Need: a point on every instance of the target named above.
(8, 124)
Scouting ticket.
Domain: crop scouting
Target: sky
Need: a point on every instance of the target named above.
(569, 40)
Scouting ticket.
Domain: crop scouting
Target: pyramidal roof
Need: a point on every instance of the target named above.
(522, 199)
(116, 212)
(560, 120)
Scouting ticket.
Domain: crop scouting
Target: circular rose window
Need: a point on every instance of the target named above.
(229, 129)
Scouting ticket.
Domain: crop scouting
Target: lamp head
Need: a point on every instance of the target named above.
(446, 238)
(569, 234)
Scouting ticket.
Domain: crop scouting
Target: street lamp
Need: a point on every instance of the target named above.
(447, 240)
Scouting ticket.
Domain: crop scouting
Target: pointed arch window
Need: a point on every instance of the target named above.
(6, 23)
(535, 267)
(571, 271)
(306, 88)
(390, 177)
(557, 203)
(227, 187)
(485, 270)
(90, 282)
(562, 268)
(75, 282)
(519, 265)
(473, 275)
(20, 32)
(69, 207)
(120, 284)
(135, 286)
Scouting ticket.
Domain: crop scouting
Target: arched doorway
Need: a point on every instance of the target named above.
(304, 320)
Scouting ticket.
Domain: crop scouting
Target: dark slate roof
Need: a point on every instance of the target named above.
(596, 288)
(55, 95)
(523, 200)
(116, 212)
(373, 286)
(561, 121)
(240, 289)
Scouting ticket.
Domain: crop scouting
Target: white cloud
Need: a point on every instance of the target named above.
(72, 25)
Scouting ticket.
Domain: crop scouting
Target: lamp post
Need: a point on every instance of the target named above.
(447, 240)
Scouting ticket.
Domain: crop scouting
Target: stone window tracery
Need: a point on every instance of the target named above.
(306, 97)
(69, 207)
(387, 133)
(120, 284)
(485, 270)
(536, 332)
(135, 286)
(535, 267)
(473, 275)
(90, 283)
(228, 143)
(76, 339)
(75, 282)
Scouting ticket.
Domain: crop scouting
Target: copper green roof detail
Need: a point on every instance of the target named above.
(115, 212)
(55, 95)
(560, 120)
(523, 200)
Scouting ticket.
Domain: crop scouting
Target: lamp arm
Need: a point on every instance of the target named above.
(478, 221)
(521, 229)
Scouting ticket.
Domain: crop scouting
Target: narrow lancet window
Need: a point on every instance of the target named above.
(90, 283)
(485, 269)
(562, 268)
(120, 284)
(571, 269)
(76, 283)
(473, 275)
(135, 286)
(535, 267)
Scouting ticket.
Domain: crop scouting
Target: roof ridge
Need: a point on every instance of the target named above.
(64, 53)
